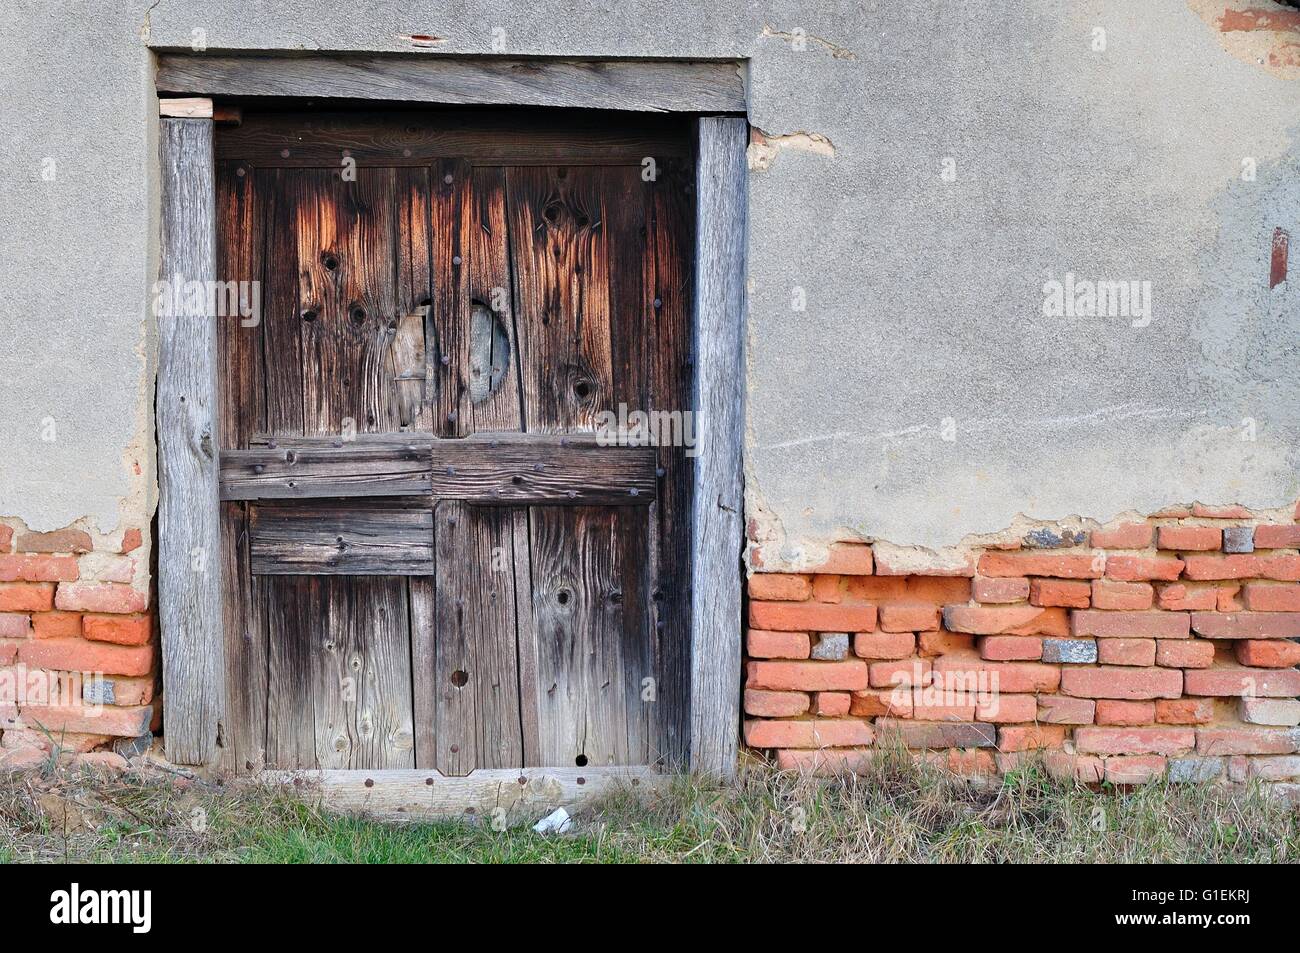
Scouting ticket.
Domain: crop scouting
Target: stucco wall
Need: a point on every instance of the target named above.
(924, 295)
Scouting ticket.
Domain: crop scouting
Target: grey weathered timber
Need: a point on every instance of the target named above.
(369, 468)
(719, 404)
(189, 524)
(358, 538)
(485, 469)
(638, 85)
(523, 793)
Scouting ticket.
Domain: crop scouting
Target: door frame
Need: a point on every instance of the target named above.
(189, 532)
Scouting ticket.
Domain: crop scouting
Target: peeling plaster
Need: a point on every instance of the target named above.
(1258, 32)
(764, 148)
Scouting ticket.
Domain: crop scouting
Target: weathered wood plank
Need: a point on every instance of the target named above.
(243, 728)
(491, 291)
(419, 138)
(189, 521)
(296, 609)
(361, 676)
(519, 793)
(719, 403)
(282, 318)
(241, 219)
(486, 469)
(371, 468)
(476, 678)
(639, 85)
(356, 538)
(447, 333)
(422, 592)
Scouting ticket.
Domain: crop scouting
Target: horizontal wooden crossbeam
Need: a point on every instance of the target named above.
(495, 469)
(342, 537)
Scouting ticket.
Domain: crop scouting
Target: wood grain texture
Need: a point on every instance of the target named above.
(719, 401)
(476, 677)
(520, 793)
(333, 537)
(243, 728)
(639, 85)
(189, 523)
(420, 137)
(349, 469)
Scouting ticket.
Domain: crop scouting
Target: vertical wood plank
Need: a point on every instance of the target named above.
(447, 340)
(240, 236)
(243, 734)
(422, 592)
(281, 312)
(296, 610)
(491, 285)
(673, 227)
(719, 401)
(189, 524)
(476, 675)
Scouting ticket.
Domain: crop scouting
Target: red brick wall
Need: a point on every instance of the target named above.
(78, 660)
(1157, 647)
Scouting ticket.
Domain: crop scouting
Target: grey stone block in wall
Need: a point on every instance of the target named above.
(832, 647)
(133, 747)
(100, 691)
(1239, 539)
(1069, 651)
(1192, 770)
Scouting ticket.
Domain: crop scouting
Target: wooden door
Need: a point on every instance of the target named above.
(434, 554)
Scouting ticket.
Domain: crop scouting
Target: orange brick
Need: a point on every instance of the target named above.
(1185, 711)
(1105, 741)
(828, 588)
(100, 597)
(825, 762)
(6, 538)
(764, 644)
(1086, 769)
(779, 586)
(1189, 538)
(1244, 682)
(26, 596)
(1124, 536)
(1181, 597)
(808, 733)
(1002, 708)
(131, 540)
(1071, 593)
(1112, 594)
(37, 568)
(1229, 741)
(884, 645)
(909, 617)
(812, 617)
(1117, 681)
(934, 590)
(1247, 625)
(15, 625)
(58, 541)
(1142, 568)
(121, 629)
(832, 704)
(1113, 711)
(78, 655)
(56, 625)
(848, 559)
(1126, 652)
(1029, 737)
(900, 673)
(1271, 653)
(97, 719)
(1280, 566)
(1000, 590)
(1011, 648)
(1134, 769)
(1277, 536)
(1064, 565)
(943, 643)
(958, 673)
(1129, 625)
(1225, 598)
(807, 676)
(1005, 620)
(897, 562)
(1184, 653)
(775, 704)
(874, 703)
(925, 709)
(1064, 710)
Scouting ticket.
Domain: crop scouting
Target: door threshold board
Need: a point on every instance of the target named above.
(418, 794)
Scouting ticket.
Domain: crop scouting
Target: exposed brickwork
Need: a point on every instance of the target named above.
(1163, 647)
(78, 661)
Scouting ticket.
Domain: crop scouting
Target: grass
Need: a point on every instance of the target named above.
(900, 812)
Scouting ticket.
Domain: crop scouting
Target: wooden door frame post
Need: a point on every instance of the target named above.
(718, 503)
(189, 589)
(189, 528)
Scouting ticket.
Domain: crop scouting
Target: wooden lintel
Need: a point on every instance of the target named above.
(521, 793)
(190, 107)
